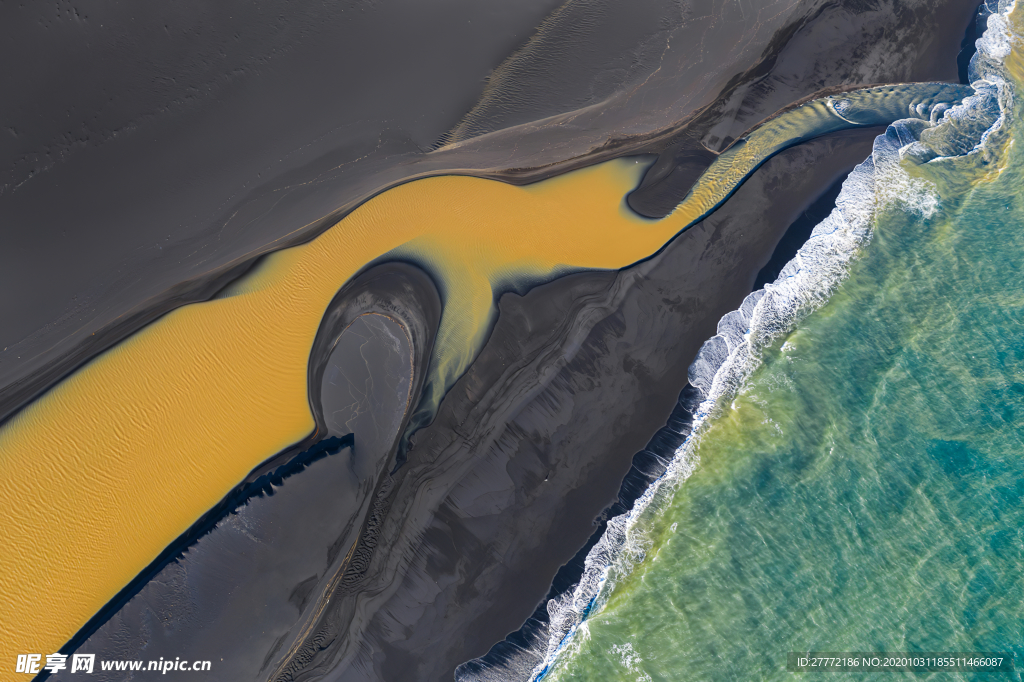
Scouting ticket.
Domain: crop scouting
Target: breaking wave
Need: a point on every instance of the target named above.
(970, 132)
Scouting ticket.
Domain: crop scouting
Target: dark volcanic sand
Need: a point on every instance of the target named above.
(532, 443)
(153, 152)
(240, 592)
(529, 447)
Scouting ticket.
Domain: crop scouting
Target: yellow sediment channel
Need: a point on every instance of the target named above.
(105, 470)
(112, 464)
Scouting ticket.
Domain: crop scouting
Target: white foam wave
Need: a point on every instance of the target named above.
(727, 359)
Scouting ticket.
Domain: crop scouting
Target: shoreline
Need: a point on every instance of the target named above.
(579, 495)
(597, 498)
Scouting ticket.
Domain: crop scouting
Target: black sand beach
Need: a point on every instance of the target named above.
(531, 445)
(589, 365)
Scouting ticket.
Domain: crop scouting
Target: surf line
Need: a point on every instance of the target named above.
(209, 389)
(726, 360)
(864, 107)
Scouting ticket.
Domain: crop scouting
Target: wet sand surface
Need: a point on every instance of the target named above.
(242, 590)
(366, 384)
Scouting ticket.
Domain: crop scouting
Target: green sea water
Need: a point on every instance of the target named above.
(865, 489)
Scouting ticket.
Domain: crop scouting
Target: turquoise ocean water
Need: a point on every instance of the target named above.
(862, 488)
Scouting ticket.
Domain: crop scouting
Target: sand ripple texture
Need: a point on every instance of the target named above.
(105, 470)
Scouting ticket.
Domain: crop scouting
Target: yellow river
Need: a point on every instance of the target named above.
(106, 469)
